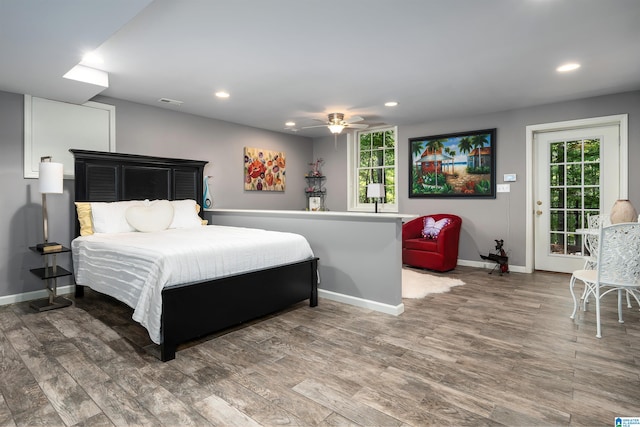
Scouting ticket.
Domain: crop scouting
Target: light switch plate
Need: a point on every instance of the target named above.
(509, 177)
(503, 188)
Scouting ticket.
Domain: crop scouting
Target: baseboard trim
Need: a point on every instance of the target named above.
(33, 295)
(394, 310)
(490, 265)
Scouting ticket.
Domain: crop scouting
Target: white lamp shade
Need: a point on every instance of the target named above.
(51, 176)
(375, 190)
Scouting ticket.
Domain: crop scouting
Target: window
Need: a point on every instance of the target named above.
(373, 158)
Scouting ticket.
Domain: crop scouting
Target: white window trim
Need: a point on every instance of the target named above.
(352, 180)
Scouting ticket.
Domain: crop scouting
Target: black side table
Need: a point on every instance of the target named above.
(50, 273)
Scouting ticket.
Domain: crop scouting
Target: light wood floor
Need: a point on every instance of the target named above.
(496, 351)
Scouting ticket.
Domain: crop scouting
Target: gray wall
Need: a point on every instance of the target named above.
(504, 217)
(155, 131)
(140, 129)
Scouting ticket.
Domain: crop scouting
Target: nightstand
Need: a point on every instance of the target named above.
(50, 273)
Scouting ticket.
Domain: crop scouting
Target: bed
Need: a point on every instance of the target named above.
(194, 308)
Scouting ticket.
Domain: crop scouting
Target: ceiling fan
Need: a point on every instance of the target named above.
(336, 123)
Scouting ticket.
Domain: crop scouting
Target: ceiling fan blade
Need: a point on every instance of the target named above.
(314, 126)
(354, 119)
(357, 126)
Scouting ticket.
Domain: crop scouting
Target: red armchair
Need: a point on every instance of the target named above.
(439, 254)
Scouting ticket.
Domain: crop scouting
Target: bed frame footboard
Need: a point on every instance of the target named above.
(194, 310)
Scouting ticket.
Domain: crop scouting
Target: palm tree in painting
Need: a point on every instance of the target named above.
(451, 153)
(478, 141)
(465, 145)
(435, 145)
(417, 149)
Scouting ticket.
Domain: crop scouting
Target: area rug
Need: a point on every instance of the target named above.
(418, 285)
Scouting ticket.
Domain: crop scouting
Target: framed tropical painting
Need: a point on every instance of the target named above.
(457, 165)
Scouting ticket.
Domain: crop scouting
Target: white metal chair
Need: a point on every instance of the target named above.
(617, 268)
(591, 244)
(591, 240)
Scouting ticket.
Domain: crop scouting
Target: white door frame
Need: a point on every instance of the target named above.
(621, 120)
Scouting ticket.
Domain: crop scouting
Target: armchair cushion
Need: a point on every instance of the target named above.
(432, 227)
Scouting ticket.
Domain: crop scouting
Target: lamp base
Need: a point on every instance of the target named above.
(44, 304)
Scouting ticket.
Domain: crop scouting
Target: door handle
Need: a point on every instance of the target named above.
(538, 212)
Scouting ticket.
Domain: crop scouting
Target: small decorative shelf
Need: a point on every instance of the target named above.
(315, 192)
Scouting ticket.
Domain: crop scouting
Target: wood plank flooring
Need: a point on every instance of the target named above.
(500, 350)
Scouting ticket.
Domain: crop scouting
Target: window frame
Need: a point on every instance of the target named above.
(353, 169)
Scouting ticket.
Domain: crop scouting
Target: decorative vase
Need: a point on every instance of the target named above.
(623, 211)
(207, 200)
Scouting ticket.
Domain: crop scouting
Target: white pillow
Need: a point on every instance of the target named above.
(109, 217)
(185, 214)
(153, 216)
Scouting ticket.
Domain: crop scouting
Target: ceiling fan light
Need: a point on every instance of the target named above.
(336, 128)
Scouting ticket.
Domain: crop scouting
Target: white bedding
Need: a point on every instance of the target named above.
(134, 267)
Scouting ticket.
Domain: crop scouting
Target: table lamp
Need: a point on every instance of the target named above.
(50, 182)
(375, 191)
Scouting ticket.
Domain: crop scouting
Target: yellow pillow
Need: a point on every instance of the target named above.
(84, 218)
(203, 221)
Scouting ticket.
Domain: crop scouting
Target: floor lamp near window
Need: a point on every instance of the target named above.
(375, 191)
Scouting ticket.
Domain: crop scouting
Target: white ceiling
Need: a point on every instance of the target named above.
(299, 60)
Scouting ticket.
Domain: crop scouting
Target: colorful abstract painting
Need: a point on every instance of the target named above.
(264, 170)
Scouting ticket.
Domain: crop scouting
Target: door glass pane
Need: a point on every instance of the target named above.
(574, 220)
(557, 197)
(574, 244)
(574, 174)
(557, 152)
(556, 175)
(591, 174)
(574, 151)
(557, 220)
(574, 198)
(592, 198)
(592, 150)
(557, 243)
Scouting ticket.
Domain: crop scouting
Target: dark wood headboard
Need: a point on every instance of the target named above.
(112, 177)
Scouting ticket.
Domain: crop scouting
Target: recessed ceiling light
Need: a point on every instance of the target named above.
(222, 94)
(568, 67)
(290, 124)
(391, 104)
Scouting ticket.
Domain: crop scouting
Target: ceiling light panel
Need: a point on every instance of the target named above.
(568, 67)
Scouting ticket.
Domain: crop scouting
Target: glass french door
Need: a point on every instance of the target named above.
(576, 176)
